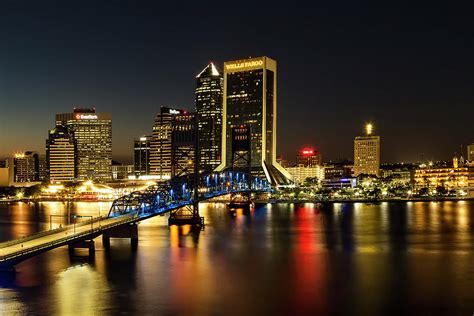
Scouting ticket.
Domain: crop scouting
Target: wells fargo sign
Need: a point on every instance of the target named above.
(244, 64)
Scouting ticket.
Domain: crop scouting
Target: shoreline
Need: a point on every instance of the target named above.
(276, 201)
(298, 201)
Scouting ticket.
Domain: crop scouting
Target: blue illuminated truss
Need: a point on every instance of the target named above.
(179, 192)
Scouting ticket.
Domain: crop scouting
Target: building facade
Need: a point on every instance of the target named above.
(161, 147)
(183, 144)
(431, 179)
(337, 171)
(308, 157)
(367, 154)
(470, 153)
(61, 155)
(121, 172)
(141, 153)
(93, 135)
(249, 98)
(300, 173)
(209, 86)
(26, 167)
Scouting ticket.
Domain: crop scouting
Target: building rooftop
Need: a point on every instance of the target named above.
(210, 70)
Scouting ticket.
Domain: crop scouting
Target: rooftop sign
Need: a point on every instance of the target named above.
(244, 64)
(86, 117)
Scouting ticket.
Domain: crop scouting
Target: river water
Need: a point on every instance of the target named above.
(281, 259)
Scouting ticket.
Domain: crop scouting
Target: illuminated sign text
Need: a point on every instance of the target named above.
(245, 64)
(86, 117)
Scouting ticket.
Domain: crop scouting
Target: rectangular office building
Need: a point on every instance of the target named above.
(249, 99)
(93, 135)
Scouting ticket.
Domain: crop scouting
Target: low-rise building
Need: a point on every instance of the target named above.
(121, 172)
(300, 173)
(448, 178)
(337, 171)
(340, 183)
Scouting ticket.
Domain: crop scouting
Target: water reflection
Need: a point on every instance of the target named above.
(342, 258)
(80, 290)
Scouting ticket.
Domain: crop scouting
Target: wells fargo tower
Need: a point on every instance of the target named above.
(249, 99)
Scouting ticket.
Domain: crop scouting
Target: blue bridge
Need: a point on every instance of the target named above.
(179, 197)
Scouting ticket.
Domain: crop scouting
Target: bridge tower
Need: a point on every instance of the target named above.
(188, 215)
(241, 162)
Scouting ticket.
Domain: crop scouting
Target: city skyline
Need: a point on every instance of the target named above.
(346, 77)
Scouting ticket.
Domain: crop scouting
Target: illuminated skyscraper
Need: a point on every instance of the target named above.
(160, 150)
(367, 153)
(142, 152)
(172, 144)
(93, 134)
(61, 155)
(209, 85)
(183, 144)
(250, 99)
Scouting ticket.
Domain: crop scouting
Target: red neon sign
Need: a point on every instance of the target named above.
(307, 151)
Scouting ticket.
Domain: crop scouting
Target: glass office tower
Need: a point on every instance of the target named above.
(249, 99)
(209, 85)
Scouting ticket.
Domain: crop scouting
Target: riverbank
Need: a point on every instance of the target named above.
(412, 199)
(35, 200)
(271, 201)
(437, 199)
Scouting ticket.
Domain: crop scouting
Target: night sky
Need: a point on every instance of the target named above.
(410, 69)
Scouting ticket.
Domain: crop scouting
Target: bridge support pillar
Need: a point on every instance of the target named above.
(240, 201)
(187, 216)
(86, 244)
(126, 231)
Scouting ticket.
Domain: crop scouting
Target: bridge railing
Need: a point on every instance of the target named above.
(47, 233)
(64, 240)
(90, 233)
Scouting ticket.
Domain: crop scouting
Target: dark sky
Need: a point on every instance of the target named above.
(410, 69)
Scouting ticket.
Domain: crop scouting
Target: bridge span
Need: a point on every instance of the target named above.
(179, 198)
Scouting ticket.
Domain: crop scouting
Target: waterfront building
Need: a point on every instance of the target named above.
(121, 171)
(61, 155)
(26, 167)
(367, 153)
(403, 172)
(6, 172)
(337, 170)
(4, 177)
(470, 153)
(249, 98)
(450, 178)
(339, 183)
(209, 85)
(301, 172)
(161, 147)
(308, 157)
(93, 135)
(142, 150)
(183, 144)
(470, 180)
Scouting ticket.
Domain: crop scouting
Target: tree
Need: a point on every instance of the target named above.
(423, 191)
